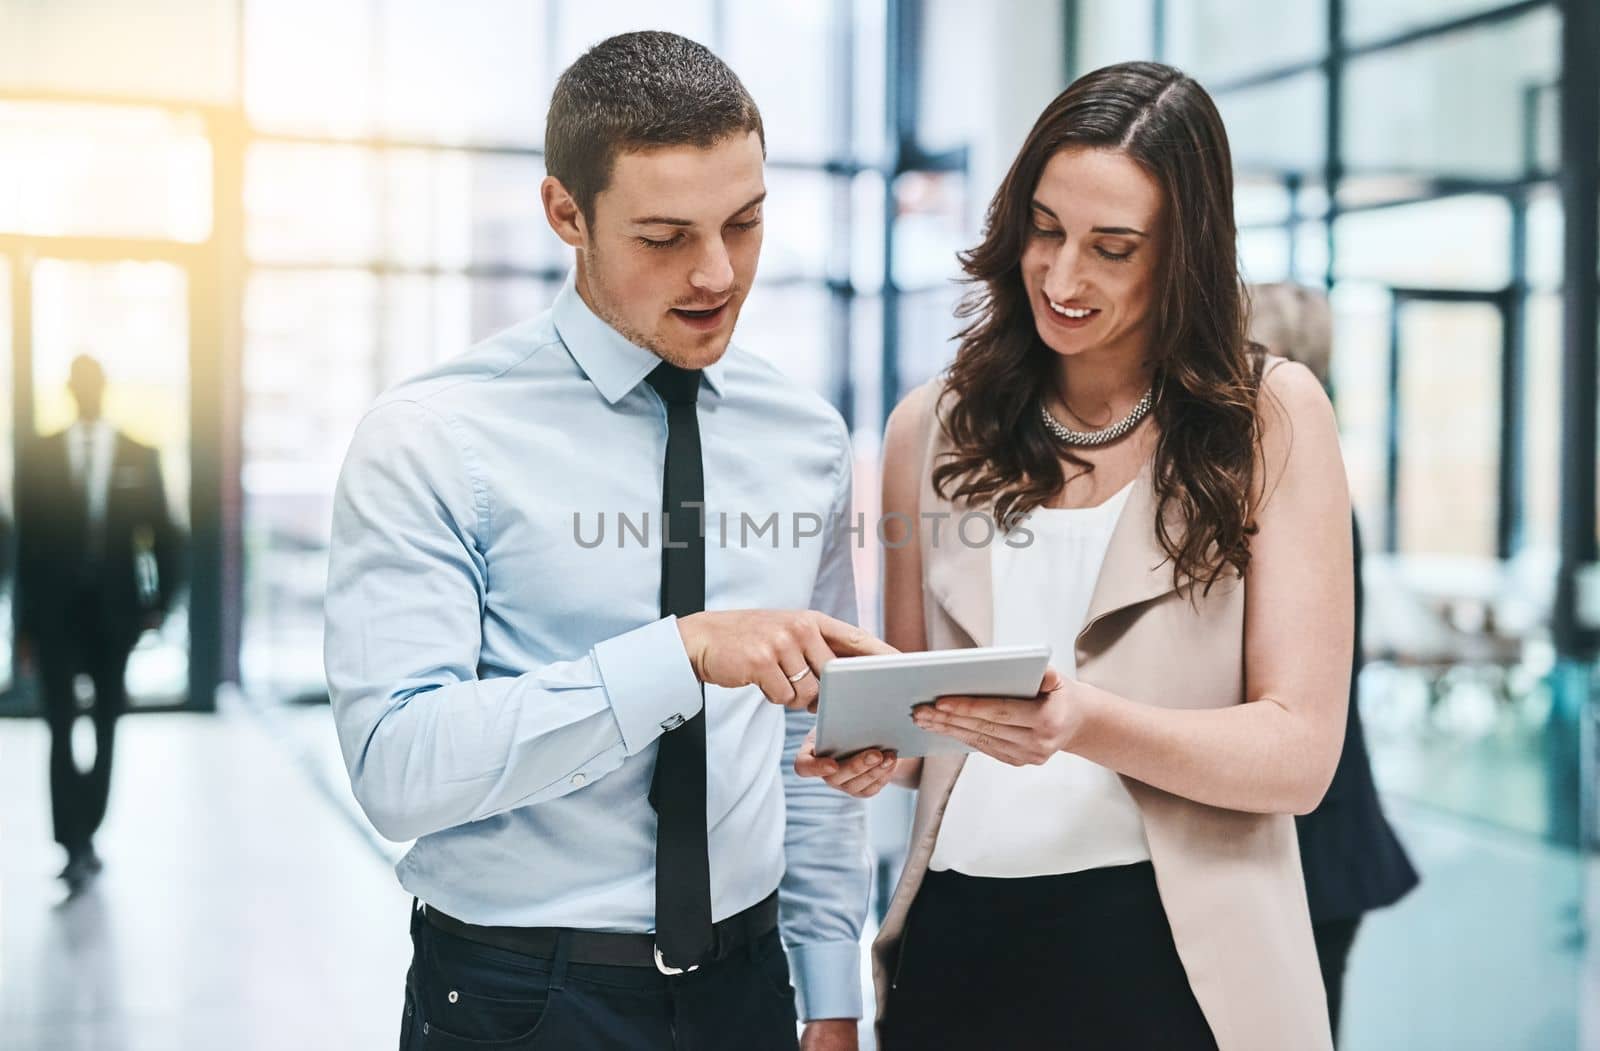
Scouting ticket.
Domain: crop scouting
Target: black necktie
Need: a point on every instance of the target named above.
(678, 790)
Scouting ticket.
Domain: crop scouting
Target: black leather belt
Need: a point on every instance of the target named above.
(611, 949)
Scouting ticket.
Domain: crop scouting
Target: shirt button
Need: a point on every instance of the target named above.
(578, 780)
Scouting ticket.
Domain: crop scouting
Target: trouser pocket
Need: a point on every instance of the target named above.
(466, 995)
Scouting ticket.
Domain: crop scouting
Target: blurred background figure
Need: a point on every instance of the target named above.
(1352, 859)
(97, 566)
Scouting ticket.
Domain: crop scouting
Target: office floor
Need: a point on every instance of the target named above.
(243, 906)
(237, 910)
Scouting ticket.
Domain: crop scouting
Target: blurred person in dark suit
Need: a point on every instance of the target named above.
(97, 565)
(1352, 860)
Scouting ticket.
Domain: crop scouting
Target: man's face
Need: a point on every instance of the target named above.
(88, 390)
(673, 246)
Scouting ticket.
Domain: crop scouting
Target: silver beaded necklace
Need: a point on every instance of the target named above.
(1067, 436)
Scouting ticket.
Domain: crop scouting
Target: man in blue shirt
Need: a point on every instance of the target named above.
(598, 772)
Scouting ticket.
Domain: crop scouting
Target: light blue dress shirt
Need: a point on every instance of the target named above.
(500, 678)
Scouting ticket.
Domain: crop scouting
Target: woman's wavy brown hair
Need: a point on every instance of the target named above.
(1206, 372)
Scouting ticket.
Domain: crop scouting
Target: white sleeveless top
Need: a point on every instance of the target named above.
(1069, 814)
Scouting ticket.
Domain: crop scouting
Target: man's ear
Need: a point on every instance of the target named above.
(563, 213)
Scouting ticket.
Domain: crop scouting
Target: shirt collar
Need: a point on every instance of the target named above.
(613, 364)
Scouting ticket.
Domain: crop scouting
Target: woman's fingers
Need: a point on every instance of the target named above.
(1014, 735)
(1005, 743)
(995, 709)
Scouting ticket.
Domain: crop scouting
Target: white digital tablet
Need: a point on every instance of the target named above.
(866, 702)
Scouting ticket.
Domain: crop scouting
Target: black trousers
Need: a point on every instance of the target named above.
(1083, 960)
(1334, 939)
(89, 646)
(461, 994)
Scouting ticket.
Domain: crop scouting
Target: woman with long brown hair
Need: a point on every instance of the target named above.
(1114, 865)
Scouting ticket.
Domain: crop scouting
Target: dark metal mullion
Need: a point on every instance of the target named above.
(1509, 480)
(1333, 144)
(1291, 186)
(225, 286)
(1580, 200)
(1070, 61)
(1511, 517)
(902, 48)
(841, 303)
(1508, 13)
(1391, 442)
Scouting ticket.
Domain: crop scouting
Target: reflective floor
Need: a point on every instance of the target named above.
(244, 906)
(237, 909)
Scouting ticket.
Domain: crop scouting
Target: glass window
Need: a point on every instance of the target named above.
(791, 327)
(780, 52)
(103, 171)
(1449, 428)
(963, 82)
(1453, 105)
(457, 209)
(175, 50)
(1360, 368)
(1311, 253)
(866, 232)
(1454, 242)
(1259, 201)
(928, 327)
(1369, 20)
(295, 434)
(866, 373)
(1278, 127)
(1215, 39)
(1546, 253)
(1541, 449)
(580, 25)
(1111, 31)
(449, 75)
(798, 217)
(930, 227)
(1264, 255)
(869, 115)
(310, 203)
(309, 66)
(429, 319)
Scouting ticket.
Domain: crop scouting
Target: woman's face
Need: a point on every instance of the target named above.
(1090, 261)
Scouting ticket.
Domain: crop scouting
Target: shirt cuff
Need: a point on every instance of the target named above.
(649, 682)
(828, 975)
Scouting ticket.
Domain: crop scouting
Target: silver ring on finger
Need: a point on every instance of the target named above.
(797, 676)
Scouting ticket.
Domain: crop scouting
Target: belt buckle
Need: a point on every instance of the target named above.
(665, 968)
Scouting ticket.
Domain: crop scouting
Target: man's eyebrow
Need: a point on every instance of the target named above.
(667, 220)
(1123, 231)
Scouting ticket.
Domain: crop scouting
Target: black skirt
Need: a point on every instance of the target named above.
(1083, 960)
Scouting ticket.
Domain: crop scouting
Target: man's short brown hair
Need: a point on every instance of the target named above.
(638, 91)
